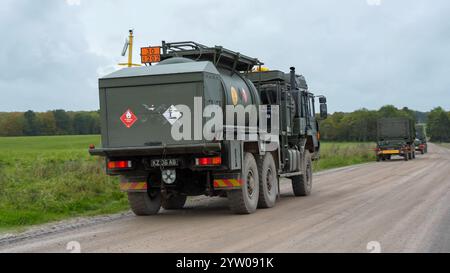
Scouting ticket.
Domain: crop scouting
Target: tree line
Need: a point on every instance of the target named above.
(361, 125)
(57, 122)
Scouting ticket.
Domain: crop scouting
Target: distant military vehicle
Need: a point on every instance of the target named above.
(140, 106)
(395, 137)
(421, 139)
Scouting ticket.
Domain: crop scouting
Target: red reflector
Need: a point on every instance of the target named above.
(208, 161)
(119, 164)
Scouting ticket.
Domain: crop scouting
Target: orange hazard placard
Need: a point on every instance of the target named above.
(150, 54)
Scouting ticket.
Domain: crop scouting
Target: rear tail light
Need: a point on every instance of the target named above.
(114, 165)
(208, 161)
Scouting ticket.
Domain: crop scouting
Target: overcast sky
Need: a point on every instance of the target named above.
(359, 53)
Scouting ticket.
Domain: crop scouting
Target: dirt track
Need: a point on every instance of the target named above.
(405, 206)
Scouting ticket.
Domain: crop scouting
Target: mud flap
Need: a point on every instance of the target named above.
(133, 184)
(228, 181)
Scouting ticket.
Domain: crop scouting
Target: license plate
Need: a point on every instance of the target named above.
(165, 163)
(390, 152)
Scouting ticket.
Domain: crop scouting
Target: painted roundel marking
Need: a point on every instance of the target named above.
(244, 95)
(234, 96)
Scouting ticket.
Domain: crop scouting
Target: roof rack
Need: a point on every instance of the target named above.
(218, 55)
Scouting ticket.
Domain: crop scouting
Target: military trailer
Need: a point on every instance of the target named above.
(395, 137)
(421, 139)
(140, 107)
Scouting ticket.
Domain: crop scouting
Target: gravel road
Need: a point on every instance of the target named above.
(394, 206)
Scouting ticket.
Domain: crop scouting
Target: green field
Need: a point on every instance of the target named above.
(341, 154)
(446, 145)
(44, 179)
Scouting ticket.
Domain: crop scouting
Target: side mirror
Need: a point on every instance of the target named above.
(322, 100)
(323, 110)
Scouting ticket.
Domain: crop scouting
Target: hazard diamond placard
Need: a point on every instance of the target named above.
(128, 118)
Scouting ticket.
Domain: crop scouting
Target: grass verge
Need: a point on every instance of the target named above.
(446, 145)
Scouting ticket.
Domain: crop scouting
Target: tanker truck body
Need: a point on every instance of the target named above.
(395, 137)
(154, 136)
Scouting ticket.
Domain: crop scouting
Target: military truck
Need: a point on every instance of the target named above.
(421, 139)
(395, 137)
(141, 106)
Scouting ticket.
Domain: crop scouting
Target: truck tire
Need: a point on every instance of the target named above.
(145, 203)
(302, 184)
(268, 181)
(245, 200)
(173, 202)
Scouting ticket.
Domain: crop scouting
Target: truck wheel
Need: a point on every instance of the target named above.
(145, 203)
(245, 200)
(173, 202)
(302, 184)
(268, 181)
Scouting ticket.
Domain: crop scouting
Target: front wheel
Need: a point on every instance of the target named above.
(245, 199)
(302, 184)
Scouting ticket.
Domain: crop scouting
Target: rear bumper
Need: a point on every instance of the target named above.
(390, 152)
(157, 150)
(420, 147)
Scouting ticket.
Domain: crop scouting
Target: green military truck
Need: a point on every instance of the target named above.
(421, 139)
(140, 107)
(395, 138)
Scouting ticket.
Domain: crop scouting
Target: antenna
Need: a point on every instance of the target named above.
(125, 47)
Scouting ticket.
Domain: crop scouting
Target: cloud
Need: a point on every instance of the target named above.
(46, 59)
(356, 53)
(73, 2)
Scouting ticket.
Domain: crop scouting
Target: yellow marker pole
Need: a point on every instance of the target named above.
(130, 50)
